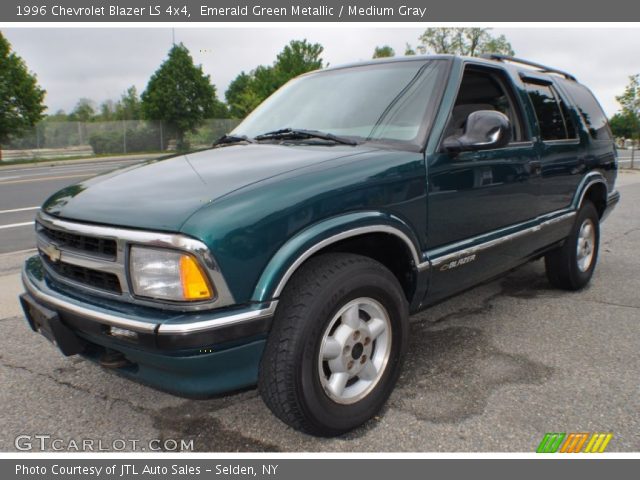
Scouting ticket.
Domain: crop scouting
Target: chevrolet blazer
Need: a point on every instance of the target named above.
(291, 253)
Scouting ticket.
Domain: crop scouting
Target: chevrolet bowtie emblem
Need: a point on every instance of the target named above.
(52, 251)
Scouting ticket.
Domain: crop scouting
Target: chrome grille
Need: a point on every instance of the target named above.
(85, 276)
(101, 247)
(87, 261)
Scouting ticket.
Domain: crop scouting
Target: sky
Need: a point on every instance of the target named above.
(101, 63)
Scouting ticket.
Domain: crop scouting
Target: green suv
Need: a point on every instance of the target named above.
(291, 254)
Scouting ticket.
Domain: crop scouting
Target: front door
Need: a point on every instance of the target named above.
(478, 194)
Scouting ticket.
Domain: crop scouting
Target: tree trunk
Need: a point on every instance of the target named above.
(181, 143)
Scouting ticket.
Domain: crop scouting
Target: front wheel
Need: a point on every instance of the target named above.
(335, 350)
(571, 266)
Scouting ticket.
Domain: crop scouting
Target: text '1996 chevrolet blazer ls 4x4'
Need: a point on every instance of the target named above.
(291, 254)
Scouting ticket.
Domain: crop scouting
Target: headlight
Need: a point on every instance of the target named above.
(167, 275)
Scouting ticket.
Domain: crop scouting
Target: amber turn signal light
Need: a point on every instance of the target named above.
(194, 282)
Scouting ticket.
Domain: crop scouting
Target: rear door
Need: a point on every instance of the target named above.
(558, 144)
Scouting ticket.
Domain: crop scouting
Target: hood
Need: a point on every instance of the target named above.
(163, 194)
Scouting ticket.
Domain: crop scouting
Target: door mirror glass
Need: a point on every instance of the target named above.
(484, 130)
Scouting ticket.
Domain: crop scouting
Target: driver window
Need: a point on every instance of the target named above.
(484, 89)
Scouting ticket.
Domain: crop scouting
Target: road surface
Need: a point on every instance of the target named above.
(23, 189)
(493, 369)
(624, 158)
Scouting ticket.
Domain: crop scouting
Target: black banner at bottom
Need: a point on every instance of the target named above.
(318, 469)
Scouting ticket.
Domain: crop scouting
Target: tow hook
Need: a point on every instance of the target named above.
(113, 359)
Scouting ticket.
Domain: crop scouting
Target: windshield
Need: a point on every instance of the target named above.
(380, 102)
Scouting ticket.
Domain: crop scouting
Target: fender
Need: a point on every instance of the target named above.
(320, 235)
(587, 181)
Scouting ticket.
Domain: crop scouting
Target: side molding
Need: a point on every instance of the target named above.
(588, 180)
(316, 237)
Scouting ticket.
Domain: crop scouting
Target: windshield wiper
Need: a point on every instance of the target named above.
(293, 133)
(231, 139)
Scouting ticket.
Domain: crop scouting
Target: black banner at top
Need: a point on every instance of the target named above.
(318, 11)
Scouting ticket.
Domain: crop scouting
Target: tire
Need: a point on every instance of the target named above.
(340, 315)
(571, 266)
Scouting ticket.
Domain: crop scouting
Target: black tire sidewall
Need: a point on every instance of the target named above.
(328, 415)
(578, 277)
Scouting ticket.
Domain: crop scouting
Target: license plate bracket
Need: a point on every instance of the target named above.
(47, 322)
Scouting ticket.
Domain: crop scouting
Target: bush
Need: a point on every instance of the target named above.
(141, 138)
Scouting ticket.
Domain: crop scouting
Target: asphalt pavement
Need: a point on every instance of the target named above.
(24, 188)
(625, 156)
(493, 369)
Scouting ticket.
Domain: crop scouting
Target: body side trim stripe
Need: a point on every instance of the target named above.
(215, 323)
(464, 251)
(588, 180)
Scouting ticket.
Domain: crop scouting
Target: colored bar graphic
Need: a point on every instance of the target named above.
(550, 443)
(598, 443)
(573, 442)
(581, 442)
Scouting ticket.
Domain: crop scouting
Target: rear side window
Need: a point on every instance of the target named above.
(552, 113)
(590, 110)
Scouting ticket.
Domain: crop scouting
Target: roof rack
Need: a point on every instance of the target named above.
(543, 68)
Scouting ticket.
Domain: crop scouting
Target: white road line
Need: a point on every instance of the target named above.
(25, 209)
(15, 225)
(18, 252)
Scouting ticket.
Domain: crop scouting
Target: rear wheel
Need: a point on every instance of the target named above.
(335, 350)
(571, 266)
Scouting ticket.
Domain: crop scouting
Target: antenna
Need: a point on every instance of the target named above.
(173, 36)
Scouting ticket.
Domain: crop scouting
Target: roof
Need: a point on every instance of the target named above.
(519, 64)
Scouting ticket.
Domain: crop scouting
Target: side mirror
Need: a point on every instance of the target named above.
(484, 130)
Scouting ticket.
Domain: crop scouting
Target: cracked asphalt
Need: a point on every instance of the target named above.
(493, 369)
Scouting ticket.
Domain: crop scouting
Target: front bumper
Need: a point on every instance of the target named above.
(612, 200)
(188, 353)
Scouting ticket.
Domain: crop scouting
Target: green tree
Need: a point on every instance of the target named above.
(408, 50)
(624, 125)
(630, 103)
(384, 52)
(240, 97)
(298, 57)
(21, 98)
(59, 116)
(129, 107)
(84, 111)
(180, 94)
(265, 80)
(107, 111)
(248, 90)
(463, 41)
